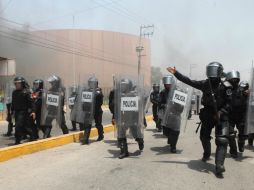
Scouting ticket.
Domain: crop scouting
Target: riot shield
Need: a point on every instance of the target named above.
(88, 104)
(83, 108)
(9, 88)
(249, 127)
(161, 113)
(188, 90)
(71, 98)
(147, 101)
(129, 106)
(178, 107)
(52, 104)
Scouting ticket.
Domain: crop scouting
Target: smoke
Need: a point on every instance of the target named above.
(179, 50)
(1, 12)
(200, 32)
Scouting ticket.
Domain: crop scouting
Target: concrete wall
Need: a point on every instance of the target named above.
(41, 53)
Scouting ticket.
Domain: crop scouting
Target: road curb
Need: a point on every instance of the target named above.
(8, 153)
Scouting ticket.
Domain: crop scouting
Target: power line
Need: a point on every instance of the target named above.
(6, 6)
(138, 16)
(32, 35)
(119, 13)
(129, 12)
(46, 45)
(7, 35)
(79, 44)
(74, 13)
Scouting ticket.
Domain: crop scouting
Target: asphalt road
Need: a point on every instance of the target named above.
(96, 166)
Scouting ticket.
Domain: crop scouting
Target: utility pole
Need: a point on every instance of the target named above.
(73, 51)
(145, 30)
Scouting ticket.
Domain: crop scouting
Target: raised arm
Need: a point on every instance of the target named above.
(195, 84)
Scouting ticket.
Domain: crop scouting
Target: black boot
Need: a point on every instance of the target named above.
(100, 133)
(172, 140)
(81, 127)
(173, 148)
(86, 136)
(159, 127)
(221, 151)
(32, 133)
(35, 132)
(17, 139)
(47, 131)
(74, 128)
(140, 143)
(145, 123)
(65, 129)
(9, 131)
(17, 142)
(123, 148)
(43, 129)
(232, 145)
(250, 139)
(207, 149)
(241, 144)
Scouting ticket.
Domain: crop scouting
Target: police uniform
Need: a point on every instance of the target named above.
(216, 100)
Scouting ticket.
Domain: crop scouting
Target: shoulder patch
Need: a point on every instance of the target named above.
(229, 92)
(227, 84)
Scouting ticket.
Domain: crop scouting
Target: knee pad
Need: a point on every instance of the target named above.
(139, 140)
(223, 141)
(205, 138)
(242, 137)
(173, 132)
(232, 135)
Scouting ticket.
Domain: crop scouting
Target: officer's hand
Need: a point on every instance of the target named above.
(172, 70)
(246, 92)
(113, 122)
(33, 115)
(8, 118)
(217, 116)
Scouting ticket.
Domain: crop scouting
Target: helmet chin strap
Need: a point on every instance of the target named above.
(215, 81)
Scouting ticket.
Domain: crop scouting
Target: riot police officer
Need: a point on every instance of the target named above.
(154, 98)
(95, 106)
(163, 97)
(71, 102)
(37, 98)
(129, 113)
(24, 110)
(55, 109)
(172, 115)
(238, 113)
(98, 112)
(216, 101)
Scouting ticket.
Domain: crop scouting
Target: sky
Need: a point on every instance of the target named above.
(188, 34)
